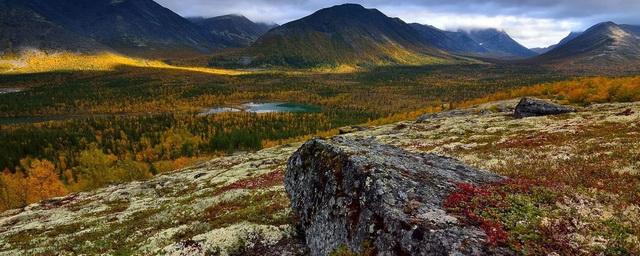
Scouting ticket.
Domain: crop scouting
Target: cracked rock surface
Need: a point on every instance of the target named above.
(358, 193)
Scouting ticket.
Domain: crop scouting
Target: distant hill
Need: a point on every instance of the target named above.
(134, 27)
(232, 30)
(564, 40)
(344, 34)
(634, 29)
(606, 46)
(450, 41)
(490, 43)
(499, 43)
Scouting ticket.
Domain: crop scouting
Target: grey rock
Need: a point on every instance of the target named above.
(529, 107)
(355, 192)
(351, 129)
(444, 114)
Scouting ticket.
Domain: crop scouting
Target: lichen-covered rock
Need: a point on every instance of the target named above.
(359, 193)
(351, 129)
(535, 107)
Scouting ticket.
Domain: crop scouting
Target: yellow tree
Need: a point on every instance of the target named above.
(13, 190)
(42, 182)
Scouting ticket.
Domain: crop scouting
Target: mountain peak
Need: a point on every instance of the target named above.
(344, 34)
(348, 6)
(344, 11)
(231, 16)
(605, 42)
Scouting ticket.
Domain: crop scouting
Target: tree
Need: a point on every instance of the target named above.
(42, 182)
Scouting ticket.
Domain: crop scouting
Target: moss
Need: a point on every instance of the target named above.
(270, 207)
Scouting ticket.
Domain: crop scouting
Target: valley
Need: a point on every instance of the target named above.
(129, 129)
(152, 118)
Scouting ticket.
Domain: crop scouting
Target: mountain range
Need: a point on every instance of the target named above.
(342, 34)
(488, 43)
(232, 30)
(605, 46)
(133, 27)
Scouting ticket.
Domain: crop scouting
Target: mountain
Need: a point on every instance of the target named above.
(128, 26)
(344, 34)
(634, 29)
(21, 27)
(449, 41)
(605, 46)
(232, 30)
(566, 39)
(498, 43)
(489, 43)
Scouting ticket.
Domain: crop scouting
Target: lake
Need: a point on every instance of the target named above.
(271, 107)
(10, 90)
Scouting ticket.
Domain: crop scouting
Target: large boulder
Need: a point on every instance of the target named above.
(535, 107)
(364, 195)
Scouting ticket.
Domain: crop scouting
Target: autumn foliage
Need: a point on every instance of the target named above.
(577, 91)
(38, 182)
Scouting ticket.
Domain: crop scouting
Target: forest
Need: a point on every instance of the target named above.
(70, 131)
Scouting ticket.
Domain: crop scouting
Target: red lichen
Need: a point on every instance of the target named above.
(267, 180)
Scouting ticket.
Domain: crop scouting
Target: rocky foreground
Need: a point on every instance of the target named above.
(363, 195)
(238, 205)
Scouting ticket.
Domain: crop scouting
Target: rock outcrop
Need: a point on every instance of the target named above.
(369, 196)
(535, 107)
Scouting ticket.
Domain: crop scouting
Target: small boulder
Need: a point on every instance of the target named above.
(364, 195)
(536, 107)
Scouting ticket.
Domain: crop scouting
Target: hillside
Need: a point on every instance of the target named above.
(499, 44)
(136, 27)
(232, 30)
(238, 204)
(486, 43)
(605, 47)
(22, 27)
(344, 34)
(455, 42)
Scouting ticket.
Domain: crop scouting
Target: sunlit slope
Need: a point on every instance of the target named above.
(344, 34)
(39, 62)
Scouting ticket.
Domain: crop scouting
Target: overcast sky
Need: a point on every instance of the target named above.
(533, 23)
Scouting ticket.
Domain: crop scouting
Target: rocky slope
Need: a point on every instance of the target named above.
(238, 204)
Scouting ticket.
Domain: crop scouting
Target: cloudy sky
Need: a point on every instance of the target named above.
(534, 23)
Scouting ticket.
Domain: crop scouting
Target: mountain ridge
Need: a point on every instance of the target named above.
(135, 27)
(605, 46)
(487, 43)
(232, 30)
(344, 34)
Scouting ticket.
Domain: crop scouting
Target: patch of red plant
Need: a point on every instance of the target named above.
(468, 200)
(263, 181)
